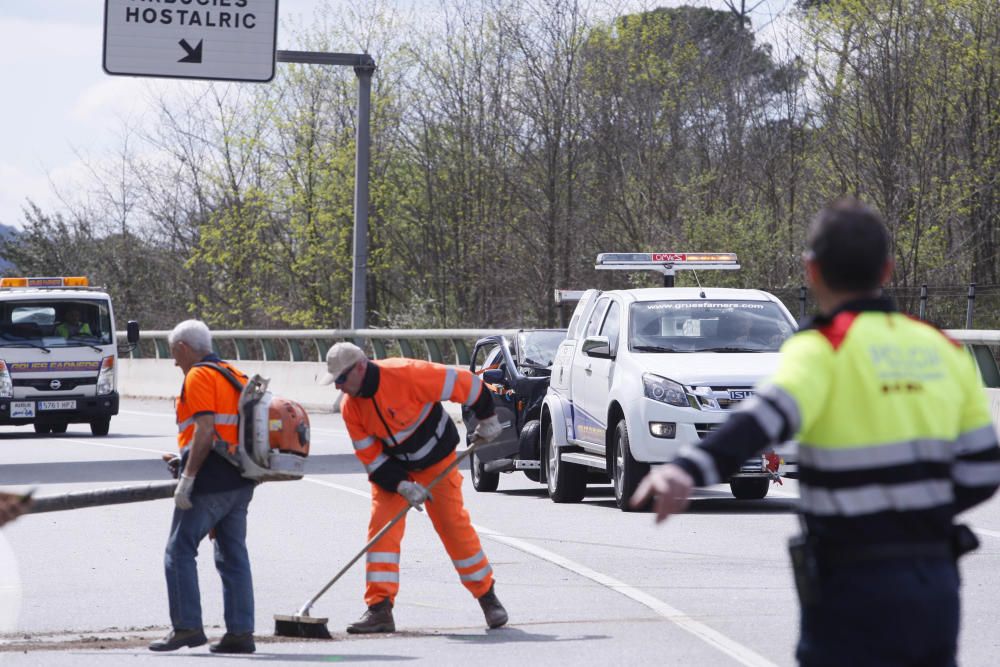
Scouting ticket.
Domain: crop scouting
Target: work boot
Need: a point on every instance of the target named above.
(231, 643)
(495, 614)
(378, 618)
(175, 639)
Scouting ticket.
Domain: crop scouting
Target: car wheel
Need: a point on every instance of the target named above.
(42, 428)
(567, 481)
(482, 481)
(528, 444)
(626, 471)
(749, 488)
(60, 427)
(100, 426)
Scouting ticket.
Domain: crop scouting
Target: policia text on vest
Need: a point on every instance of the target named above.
(895, 438)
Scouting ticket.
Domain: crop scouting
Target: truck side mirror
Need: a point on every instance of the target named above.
(132, 331)
(597, 346)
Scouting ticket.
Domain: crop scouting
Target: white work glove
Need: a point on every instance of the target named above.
(182, 494)
(414, 494)
(488, 429)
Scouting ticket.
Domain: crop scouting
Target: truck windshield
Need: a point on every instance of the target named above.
(707, 326)
(56, 323)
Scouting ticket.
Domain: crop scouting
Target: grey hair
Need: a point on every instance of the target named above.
(194, 333)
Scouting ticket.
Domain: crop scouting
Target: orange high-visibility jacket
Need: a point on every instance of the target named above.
(397, 422)
(206, 390)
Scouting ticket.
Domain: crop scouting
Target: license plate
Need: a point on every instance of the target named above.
(57, 405)
(22, 409)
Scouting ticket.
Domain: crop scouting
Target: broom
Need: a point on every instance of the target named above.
(301, 624)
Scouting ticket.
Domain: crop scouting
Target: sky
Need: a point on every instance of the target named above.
(61, 111)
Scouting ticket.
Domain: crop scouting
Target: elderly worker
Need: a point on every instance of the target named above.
(211, 495)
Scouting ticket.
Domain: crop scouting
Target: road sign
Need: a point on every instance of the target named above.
(231, 40)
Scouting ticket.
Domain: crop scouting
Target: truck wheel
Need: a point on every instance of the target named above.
(100, 426)
(749, 488)
(626, 471)
(482, 481)
(567, 481)
(59, 427)
(528, 444)
(42, 428)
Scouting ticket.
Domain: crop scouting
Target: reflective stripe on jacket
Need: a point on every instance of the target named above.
(894, 430)
(397, 423)
(206, 390)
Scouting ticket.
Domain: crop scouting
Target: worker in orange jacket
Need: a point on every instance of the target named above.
(404, 438)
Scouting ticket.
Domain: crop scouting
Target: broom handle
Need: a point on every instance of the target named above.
(304, 611)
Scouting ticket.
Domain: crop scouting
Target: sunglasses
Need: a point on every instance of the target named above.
(342, 378)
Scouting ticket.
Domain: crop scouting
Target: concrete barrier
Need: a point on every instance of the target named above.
(296, 380)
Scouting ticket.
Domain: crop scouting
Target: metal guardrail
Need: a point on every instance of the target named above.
(440, 345)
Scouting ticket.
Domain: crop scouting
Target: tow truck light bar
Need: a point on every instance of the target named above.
(667, 263)
(53, 281)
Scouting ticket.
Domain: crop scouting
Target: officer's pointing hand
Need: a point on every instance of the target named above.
(668, 486)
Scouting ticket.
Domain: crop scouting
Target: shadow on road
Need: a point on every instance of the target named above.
(138, 470)
(510, 635)
(333, 464)
(142, 470)
(27, 434)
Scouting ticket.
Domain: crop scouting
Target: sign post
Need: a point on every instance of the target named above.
(230, 40)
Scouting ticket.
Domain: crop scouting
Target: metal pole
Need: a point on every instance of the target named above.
(360, 276)
(971, 303)
(923, 301)
(364, 67)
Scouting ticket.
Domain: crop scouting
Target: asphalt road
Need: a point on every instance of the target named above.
(584, 583)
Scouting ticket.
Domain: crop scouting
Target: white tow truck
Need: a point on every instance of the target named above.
(645, 372)
(58, 354)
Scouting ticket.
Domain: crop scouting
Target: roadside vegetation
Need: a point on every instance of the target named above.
(513, 140)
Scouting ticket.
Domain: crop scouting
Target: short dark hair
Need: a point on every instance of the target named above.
(850, 243)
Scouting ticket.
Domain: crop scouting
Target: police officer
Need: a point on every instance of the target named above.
(895, 438)
(404, 438)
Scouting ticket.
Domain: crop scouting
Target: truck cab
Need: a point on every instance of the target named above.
(644, 373)
(58, 354)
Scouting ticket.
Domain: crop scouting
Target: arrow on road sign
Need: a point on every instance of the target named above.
(193, 54)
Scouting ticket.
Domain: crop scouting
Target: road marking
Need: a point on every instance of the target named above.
(742, 654)
(339, 487)
(147, 414)
(93, 443)
(983, 531)
(735, 650)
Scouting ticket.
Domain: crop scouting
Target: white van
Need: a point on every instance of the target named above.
(58, 354)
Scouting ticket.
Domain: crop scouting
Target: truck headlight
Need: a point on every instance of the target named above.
(6, 384)
(106, 378)
(663, 390)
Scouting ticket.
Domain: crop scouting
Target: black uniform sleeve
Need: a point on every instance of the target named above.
(724, 450)
(389, 474)
(483, 407)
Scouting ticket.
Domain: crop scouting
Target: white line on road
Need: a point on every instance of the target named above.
(735, 650)
(97, 443)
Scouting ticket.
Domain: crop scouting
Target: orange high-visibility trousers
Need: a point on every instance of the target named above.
(451, 521)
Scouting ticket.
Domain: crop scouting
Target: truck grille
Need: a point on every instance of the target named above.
(721, 396)
(45, 384)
